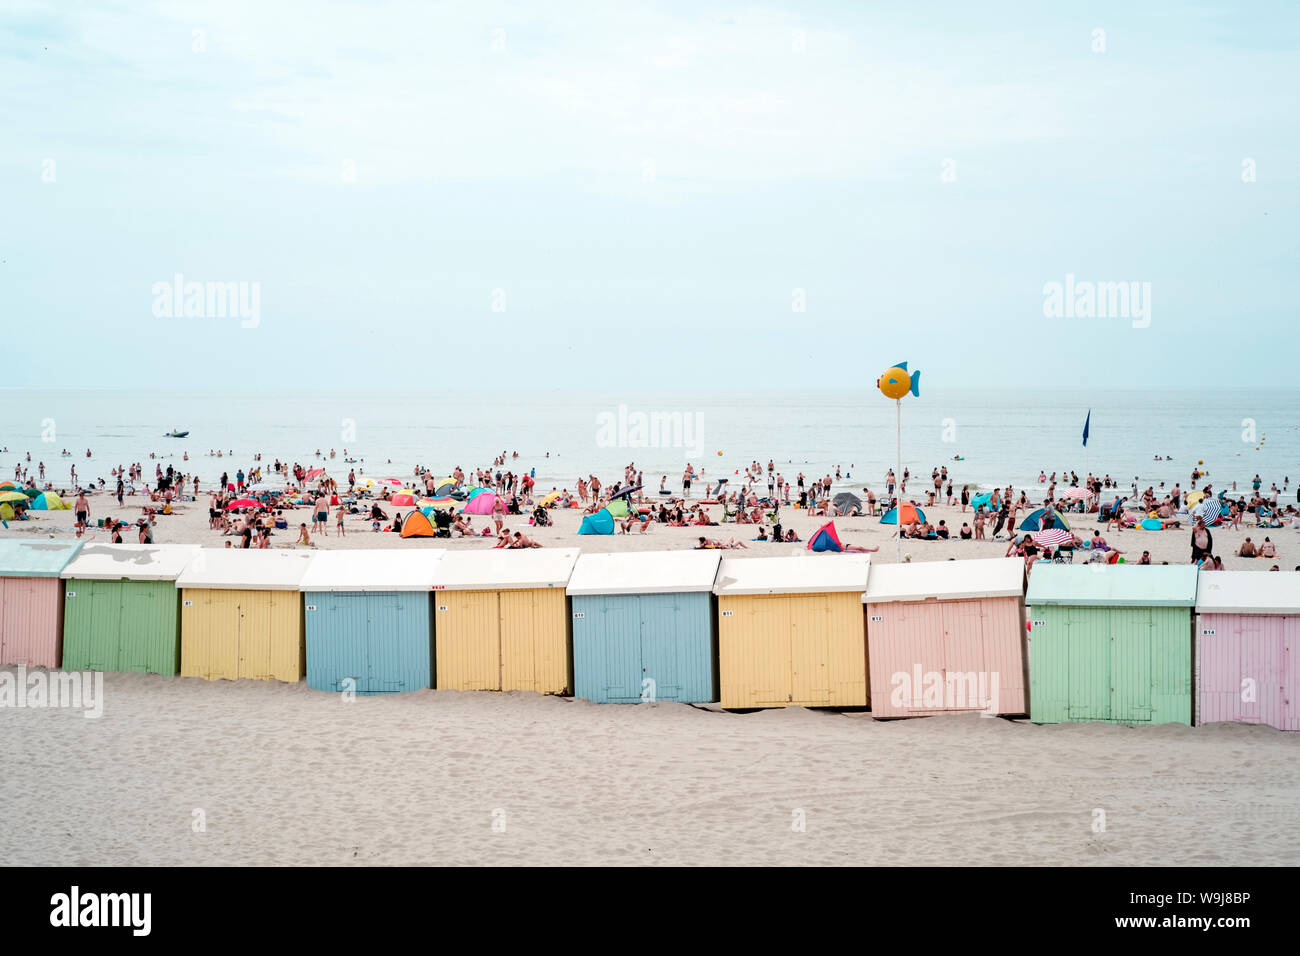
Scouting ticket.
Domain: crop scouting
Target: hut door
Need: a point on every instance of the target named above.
(763, 640)
(517, 634)
(389, 647)
(811, 624)
(1130, 664)
(346, 639)
(966, 685)
(4, 619)
(621, 633)
(1088, 641)
(104, 599)
(661, 641)
(1258, 665)
(1289, 674)
(255, 625)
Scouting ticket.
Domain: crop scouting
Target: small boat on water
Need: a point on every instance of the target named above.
(175, 434)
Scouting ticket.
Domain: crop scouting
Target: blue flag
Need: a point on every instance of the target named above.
(1086, 422)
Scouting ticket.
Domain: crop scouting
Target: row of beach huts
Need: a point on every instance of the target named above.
(1117, 643)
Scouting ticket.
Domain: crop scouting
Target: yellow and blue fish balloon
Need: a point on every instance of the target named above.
(898, 381)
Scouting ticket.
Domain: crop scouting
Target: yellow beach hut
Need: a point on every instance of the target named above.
(241, 615)
(791, 631)
(501, 620)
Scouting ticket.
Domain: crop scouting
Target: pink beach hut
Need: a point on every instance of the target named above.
(31, 600)
(947, 637)
(1247, 639)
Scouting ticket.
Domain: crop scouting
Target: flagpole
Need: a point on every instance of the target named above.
(898, 479)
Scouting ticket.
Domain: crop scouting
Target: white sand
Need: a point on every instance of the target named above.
(191, 527)
(288, 775)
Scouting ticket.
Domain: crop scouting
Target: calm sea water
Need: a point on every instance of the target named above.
(1003, 436)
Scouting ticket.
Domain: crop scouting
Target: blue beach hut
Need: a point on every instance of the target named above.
(644, 626)
(369, 621)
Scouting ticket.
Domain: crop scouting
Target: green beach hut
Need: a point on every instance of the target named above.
(1111, 643)
(122, 608)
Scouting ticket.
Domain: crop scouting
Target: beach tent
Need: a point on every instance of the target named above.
(417, 525)
(981, 501)
(402, 500)
(501, 620)
(825, 538)
(31, 600)
(444, 488)
(48, 501)
(791, 631)
(480, 504)
(121, 609)
(847, 503)
(644, 627)
(1247, 635)
(6, 512)
(475, 492)
(1111, 643)
(911, 515)
(369, 620)
(241, 615)
(617, 507)
(1034, 520)
(602, 522)
(946, 637)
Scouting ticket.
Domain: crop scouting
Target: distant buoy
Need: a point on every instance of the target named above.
(1200, 461)
(719, 454)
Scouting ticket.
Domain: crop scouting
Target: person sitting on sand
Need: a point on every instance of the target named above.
(965, 533)
(1247, 550)
(463, 528)
(521, 540)
(1267, 549)
(304, 537)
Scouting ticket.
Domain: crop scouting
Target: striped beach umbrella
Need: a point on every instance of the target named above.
(1052, 537)
(1208, 510)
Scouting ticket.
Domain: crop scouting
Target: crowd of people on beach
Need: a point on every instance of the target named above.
(252, 504)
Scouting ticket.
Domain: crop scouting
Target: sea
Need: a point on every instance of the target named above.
(985, 438)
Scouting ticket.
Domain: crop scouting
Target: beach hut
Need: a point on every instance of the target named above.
(31, 600)
(791, 631)
(241, 615)
(644, 627)
(122, 609)
(947, 636)
(1247, 642)
(501, 620)
(368, 620)
(1111, 643)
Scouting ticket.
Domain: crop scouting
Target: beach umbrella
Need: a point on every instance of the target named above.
(1208, 510)
(911, 515)
(404, 498)
(317, 472)
(1075, 494)
(12, 496)
(846, 502)
(549, 498)
(47, 501)
(31, 492)
(979, 500)
(8, 486)
(1194, 497)
(1052, 537)
(385, 481)
(1034, 520)
(243, 503)
(622, 492)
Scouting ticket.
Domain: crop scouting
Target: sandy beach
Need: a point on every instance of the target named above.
(283, 774)
(190, 526)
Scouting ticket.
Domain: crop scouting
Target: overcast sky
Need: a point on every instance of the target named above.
(655, 194)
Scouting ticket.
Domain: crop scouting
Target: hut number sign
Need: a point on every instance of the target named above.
(579, 615)
(728, 613)
(1039, 623)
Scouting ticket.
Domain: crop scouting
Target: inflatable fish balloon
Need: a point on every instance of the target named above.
(898, 381)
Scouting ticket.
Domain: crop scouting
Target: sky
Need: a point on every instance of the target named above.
(685, 194)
